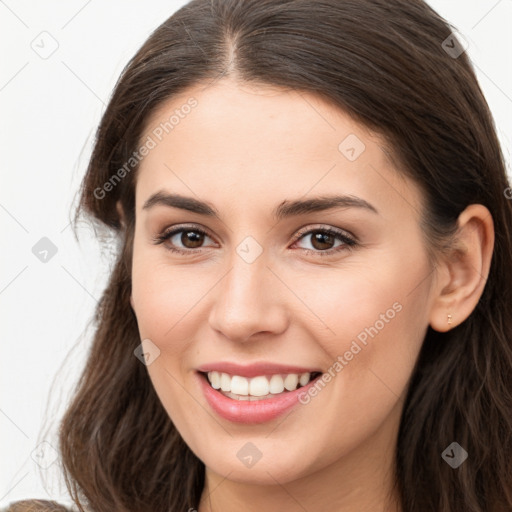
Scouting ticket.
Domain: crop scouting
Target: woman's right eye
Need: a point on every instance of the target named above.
(191, 238)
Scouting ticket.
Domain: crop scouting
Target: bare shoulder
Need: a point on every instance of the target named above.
(35, 506)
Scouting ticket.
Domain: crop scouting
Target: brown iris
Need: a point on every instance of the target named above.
(194, 238)
(324, 240)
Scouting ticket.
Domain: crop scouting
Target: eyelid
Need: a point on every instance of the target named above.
(176, 228)
(323, 227)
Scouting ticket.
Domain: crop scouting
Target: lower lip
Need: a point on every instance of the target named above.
(255, 411)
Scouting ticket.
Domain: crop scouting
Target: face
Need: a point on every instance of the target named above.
(252, 278)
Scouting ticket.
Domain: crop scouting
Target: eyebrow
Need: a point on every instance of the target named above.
(285, 209)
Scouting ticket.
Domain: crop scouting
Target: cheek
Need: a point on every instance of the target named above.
(372, 321)
(164, 297)
(374, 324)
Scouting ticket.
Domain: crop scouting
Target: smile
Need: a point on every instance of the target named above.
(238, 405)
(259, 387)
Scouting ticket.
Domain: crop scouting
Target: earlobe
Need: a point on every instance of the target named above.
(465, 269)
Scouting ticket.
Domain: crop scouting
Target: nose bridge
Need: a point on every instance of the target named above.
(247, 301)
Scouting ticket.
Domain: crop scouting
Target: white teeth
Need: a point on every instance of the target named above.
(277, 384)
(214, 378)
(257, 386)
(225, 382)
(239, 385)
(291, 381)
(304, 378)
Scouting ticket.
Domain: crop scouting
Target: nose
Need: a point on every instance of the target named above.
(248, 301)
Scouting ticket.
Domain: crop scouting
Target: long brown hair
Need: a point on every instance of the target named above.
(386, 63)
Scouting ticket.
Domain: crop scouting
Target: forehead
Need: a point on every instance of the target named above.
(246, 143)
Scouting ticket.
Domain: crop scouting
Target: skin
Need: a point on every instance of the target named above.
(245, 149)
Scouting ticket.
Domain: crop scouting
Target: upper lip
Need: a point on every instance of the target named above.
(254, 369)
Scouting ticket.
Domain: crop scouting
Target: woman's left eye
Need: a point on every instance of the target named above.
(322, 240)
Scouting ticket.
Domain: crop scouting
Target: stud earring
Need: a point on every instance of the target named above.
(449, 319)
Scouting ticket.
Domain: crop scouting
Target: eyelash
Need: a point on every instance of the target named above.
(348, 242)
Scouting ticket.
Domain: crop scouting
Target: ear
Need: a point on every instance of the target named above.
(463, 273)
(131, 302)
(120, 212)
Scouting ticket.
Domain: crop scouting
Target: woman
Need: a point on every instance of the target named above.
(311, 307)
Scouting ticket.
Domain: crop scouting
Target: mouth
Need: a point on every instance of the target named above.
(257, 399)
(261, 387)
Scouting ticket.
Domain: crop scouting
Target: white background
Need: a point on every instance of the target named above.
(50, 109)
